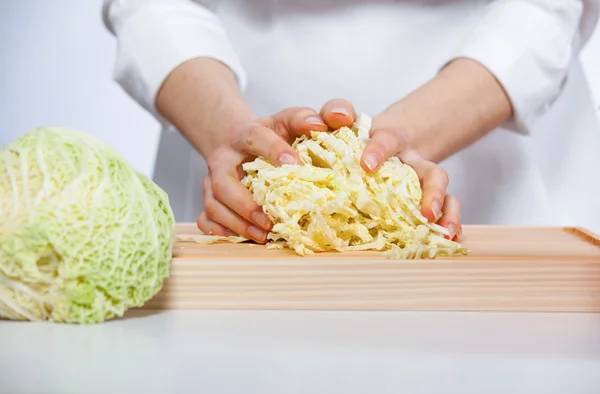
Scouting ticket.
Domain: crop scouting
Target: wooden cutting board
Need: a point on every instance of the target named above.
(507, 269)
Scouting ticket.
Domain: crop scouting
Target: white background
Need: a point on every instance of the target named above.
(56, 69)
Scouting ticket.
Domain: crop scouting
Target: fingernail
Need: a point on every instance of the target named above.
(257, 234)
(314, 120)
(286, 158)
(436, 208)
(340, 110)
(452, 230)
(371, 161)
(261, 219)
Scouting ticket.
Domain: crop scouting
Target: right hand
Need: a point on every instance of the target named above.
(229, 208)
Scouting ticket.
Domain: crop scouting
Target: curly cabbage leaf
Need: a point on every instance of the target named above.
(329, 203)
(83, 236)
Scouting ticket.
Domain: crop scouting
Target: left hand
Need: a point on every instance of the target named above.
(388, 138)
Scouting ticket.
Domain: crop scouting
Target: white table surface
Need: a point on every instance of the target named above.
(213, 352)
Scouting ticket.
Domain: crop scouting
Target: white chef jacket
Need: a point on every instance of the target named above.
(540, 168)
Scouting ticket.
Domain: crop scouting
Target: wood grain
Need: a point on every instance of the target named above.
(507, 269)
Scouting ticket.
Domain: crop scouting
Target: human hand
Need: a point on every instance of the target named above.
(389, 138)
(229, 206)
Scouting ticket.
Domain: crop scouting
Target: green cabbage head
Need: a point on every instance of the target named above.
(83, 236)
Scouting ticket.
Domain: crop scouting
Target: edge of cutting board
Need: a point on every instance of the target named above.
(528, 282)
(584, 234)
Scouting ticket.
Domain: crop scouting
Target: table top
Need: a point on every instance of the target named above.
(248, 352)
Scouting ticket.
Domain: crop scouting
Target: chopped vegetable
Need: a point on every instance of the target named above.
(83, 236)
(329, 203)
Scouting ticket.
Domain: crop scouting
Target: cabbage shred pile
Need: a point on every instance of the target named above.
(329, 203)
(83, 236)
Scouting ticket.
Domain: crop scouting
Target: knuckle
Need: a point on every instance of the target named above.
(213, 160)
(386, 141)
(436, 173)
(252, 135)
(218, 185)
(442, 174)
(246, 206)
(210, 208)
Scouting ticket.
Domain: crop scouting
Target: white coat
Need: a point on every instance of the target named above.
(540, 168)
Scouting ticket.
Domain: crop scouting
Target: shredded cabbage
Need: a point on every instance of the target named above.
(83, 236)
(329, 203)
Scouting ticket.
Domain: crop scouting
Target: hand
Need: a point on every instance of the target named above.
(389, 138)
(229, 206)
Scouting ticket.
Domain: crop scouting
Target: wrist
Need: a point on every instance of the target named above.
(403, 119)
(201, 98)
(460, 105)
(220, 126)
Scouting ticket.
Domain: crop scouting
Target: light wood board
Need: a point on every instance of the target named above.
(507, 269)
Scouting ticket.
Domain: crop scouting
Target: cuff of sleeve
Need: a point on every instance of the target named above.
(151, 45)
(512, 43)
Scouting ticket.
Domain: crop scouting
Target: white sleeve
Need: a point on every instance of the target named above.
(529, 45)
(155, 36)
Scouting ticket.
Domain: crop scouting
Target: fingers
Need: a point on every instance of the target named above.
(434, 182)
(258, 140)
(384, 144)
(228, 203)
(451, 217)
(218, 218)
(338, 113)
(298, 121)
(209, 227)
(437, 206)
(272, 139)
(206, 224)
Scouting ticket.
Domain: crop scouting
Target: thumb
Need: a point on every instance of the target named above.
(383, 144)
(259, 140)
(338, 113)
(296, 121)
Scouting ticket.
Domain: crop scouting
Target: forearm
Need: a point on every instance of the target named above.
(456, 108)
(202, 99)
